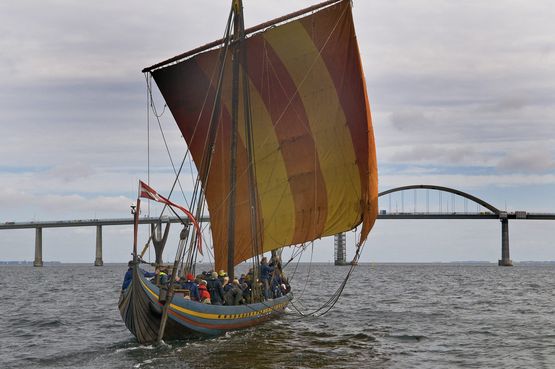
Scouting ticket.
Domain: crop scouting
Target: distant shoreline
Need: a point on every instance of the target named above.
(25, 262)
(469, 262)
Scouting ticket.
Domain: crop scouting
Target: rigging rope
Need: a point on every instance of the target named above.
(148, 96)
(330, 303)
(197, 200)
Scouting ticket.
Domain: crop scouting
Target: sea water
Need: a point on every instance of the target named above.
(388, 316)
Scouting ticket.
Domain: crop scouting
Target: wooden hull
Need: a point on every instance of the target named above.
(141, 311)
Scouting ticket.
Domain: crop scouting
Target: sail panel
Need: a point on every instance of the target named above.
(314, 151)
(327, 123)
(218, 186)
(340, 52)
(290, 123)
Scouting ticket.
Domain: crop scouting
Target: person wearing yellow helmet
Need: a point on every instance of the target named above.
(221, 276)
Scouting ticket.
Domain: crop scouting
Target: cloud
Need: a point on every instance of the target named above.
(54, 205)
(439, 154)
(72, 171)
(413, 120)
(505, 104)
(76, 203)
(534, 160)
(461, 181)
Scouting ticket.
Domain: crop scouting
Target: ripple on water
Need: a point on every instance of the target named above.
(407, 337)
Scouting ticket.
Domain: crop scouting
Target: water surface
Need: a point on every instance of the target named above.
(389, 316)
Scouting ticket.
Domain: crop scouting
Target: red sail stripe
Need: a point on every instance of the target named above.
(185, 100)
(218, 188)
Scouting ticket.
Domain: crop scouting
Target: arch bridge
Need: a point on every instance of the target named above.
(491, 213)
(484, 210)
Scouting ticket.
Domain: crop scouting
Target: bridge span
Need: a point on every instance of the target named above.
(491, 212)
(98, 223)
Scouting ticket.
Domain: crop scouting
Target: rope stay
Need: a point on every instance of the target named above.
(330, 303)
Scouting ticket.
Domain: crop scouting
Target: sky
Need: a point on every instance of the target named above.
(462, 95)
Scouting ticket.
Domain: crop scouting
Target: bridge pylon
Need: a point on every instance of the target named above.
(38, 247)
(98, 260)
(505, 257)
(340, 249)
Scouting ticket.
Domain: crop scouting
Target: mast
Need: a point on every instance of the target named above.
(240, 60)
(238, 37)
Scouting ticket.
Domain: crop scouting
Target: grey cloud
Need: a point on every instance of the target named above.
(442, 155)
(505, 104)
(70, 172)
(457, 73)
(411, 120)
(533, 160)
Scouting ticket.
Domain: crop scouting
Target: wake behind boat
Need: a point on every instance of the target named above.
(277, 122)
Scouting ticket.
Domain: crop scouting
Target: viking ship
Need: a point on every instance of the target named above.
(277, 121)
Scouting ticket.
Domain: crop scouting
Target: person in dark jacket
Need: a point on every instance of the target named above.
(275, 284)
(164, 277)
(247, 293)
(128, 276)
(190, 285)
(221, 276)
(215, 288)
(225, 284)
(234, 295)
(265, 274)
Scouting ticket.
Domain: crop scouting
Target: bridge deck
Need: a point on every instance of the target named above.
(88, 222)
(151, 220)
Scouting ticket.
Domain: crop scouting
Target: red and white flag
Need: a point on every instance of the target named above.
(147, 192)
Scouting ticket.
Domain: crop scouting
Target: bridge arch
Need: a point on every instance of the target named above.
(486, 205)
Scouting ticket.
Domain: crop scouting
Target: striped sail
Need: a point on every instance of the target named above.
(315, 162)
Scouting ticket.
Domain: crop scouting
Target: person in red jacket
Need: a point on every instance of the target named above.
(203, 292)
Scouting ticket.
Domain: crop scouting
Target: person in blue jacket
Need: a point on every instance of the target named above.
(128, 276)
(192, 287)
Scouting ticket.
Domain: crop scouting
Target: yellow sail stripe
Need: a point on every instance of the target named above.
(327, 123)
(278, 208)
(276, 199)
